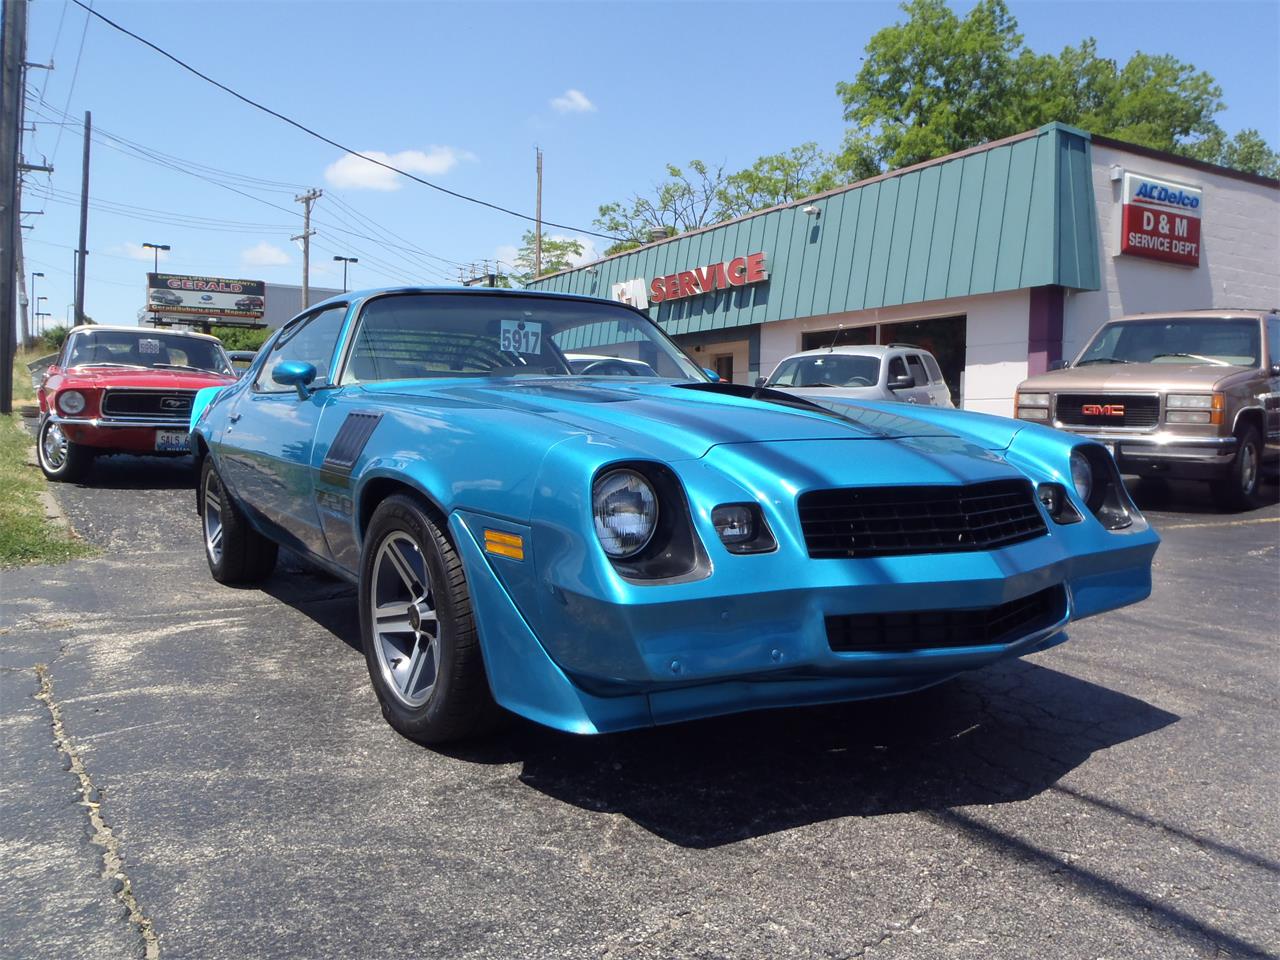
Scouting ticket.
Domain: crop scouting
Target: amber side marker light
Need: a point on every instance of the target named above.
(504, 544)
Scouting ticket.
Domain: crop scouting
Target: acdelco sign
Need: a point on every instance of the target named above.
(1160, 220)
(738, 272)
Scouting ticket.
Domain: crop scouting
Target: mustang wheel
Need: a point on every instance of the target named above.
(419, 635)
(60, 459)
(1238, 490)
(236, 552)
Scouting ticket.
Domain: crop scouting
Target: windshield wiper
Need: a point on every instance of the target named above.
(105, 363)
(1102, 360)
(1193, 356)
(182, 366)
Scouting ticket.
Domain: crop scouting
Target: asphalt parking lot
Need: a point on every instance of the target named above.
(1113, 797)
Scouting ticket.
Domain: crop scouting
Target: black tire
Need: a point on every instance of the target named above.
(61, 460)
(456, 703)
(1238, 489)
(241, 554)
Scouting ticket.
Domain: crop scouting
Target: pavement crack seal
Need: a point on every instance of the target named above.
(112, 855)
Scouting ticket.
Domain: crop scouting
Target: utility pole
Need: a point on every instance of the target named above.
(83, 249)
(12, 55)
(307, 199)
(537, 236)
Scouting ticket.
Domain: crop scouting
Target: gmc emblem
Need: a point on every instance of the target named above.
(173, 403)
(1102, 409)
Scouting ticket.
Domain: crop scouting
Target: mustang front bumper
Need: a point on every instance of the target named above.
(632, 655)
(124, 434)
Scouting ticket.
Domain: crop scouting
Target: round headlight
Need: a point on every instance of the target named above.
(625, 509)
(1081, 475)
(71, 401)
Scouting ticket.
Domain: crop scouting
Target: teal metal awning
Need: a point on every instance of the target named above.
(1012, 214)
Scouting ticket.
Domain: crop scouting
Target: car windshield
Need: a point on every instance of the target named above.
(146, 349)
(827, 370)
(411, 336)
(1176, 340)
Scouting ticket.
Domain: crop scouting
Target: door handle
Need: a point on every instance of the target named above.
(234, 418)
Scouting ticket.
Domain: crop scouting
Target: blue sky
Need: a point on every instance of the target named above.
(463, 93)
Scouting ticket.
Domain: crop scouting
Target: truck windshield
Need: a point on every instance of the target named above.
(1186, 340)
(410, 336)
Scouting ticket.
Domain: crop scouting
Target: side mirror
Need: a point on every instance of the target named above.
(715, 377)
(1275, 370)
(297, 374)
(902, 381)
(1059, 364)
(761, 381)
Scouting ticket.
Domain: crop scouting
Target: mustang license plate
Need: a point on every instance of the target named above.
(171, 441)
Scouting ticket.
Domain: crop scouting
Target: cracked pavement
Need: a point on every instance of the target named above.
(1112, 797)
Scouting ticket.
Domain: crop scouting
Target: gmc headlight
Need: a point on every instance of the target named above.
(1193, 408)
(1081, 475)
(71, 401)
(1189, 401)
(625, 509)
(1033, 399)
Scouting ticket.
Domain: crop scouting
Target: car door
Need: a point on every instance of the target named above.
(938, 389)
(1271, 385)
(266, 449)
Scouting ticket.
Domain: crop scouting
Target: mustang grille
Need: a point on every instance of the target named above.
(899, 521)
(147, 404)
(1109, 409)
(942, 629)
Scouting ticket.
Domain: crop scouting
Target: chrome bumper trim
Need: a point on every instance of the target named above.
(122, 422)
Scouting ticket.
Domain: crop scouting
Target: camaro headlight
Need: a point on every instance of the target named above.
(71, 401)
(625, 510)
(1081, 475)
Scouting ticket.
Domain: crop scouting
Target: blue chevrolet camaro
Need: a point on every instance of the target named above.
(597, 548)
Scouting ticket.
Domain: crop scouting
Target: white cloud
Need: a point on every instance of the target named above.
(572, 101)
(356, 173)
(136, 251)
(264, 255)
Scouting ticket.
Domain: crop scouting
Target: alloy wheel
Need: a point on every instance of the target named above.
(54, 446)
(404, 624)
(212, 516)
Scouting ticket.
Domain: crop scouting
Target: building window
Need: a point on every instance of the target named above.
(847, 337)
(724, 367)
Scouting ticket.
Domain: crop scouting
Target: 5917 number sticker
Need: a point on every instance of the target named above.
(520, 336)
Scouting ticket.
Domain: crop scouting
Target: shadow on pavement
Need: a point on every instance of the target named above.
(125, 472)
(1188, 496)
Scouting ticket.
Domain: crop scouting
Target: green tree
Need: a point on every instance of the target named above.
(558, 253)
(1248, 151)
(682, 202)
(777, 178)
(938, 83)
(241, 338)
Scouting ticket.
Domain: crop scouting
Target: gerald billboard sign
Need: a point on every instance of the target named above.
(171, 293)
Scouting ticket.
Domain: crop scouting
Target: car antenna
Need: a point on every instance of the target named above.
(834, 337)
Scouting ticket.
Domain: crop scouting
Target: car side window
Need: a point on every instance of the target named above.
(918, 373)
(897, 368)
(313, 341)
(935, 372)
(1273, 340)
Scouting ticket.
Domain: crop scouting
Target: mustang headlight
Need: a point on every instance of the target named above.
(625, 509)
(1081, 475)
(71, 401)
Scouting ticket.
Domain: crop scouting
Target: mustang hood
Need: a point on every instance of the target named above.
(670, 419)
(124, 377)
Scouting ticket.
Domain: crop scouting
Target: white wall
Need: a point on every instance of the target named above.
(741, 351)
(995, 354)
(1239, 256)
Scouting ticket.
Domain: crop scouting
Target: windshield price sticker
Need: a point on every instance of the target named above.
(149, 346)
(520, 336)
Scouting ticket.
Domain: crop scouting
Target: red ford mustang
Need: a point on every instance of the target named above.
(123, 390)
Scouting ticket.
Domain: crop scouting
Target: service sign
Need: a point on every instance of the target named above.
(738, 272)
(1160, 220)
(170, 293)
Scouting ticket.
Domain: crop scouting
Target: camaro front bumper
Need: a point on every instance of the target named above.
(635, 655)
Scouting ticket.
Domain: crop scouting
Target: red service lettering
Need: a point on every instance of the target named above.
(755, 268)
(738, 271)
(657, 290)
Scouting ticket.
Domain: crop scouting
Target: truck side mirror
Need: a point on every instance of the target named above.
(902, 381)
(1059, 364)
(761, 381)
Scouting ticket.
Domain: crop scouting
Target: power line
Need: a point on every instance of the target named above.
(75, 72)
(329, 140)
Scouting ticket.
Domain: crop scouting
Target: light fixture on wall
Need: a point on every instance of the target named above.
(812, 211)
(1117, 172)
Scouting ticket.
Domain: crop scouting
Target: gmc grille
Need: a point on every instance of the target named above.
(942, 629)
(1109, 409)
(147, 404)
(899, 521)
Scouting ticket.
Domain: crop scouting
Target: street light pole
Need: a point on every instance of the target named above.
(345, 261)
(155, 248)
(36, 301)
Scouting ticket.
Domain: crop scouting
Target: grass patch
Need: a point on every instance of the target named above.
(25, 535)
(23, 392)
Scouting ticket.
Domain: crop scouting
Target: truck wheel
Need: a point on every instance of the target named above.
(1238, 490)
(236, 552)
(420, 639)
(61, 460)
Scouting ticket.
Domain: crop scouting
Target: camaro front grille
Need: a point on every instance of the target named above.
(1109, 409)
(147, 404)
(859, 522)
(942, 629)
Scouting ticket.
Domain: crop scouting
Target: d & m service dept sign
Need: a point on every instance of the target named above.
(1160, 220)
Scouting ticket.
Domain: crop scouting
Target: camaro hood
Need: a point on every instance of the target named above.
(678, 420)
(1153, 377)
